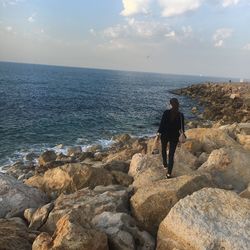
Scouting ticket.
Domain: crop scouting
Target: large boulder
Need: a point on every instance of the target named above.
(147, 169)
(14, 235)
(71, 235)
(229, 166)
(70, 178)
(122, 232)
(86, 204)
(211, 138)
(151, 203)
(15, 197)
(122, 166)
(209, 219)
(46, 157)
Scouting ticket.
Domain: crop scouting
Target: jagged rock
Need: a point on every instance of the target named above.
(28, 213)
(192, 146)
(122, 166)
(86, 204)
(40, 216)
(76, 150)
(229, 166)
(70, 178)
(121, 138)
(210, 218)
(147, 169)
(122, 178)
(244, 140)
(71, 235)
(14, 235)
(211, 138)
(47, 157)
(15, 197)
(122, 232)
(151, 203)
(246, 193)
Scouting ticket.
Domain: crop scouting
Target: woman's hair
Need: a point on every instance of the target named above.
(174, 101)
(175, 106)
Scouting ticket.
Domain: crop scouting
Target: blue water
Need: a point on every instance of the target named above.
(42, 106)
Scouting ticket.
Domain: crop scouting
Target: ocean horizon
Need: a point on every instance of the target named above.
(42, 106)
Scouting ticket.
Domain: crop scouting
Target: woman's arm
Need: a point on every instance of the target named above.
(161, 127)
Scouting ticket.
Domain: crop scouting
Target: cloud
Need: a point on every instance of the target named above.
(31, 19)
(178, 7)
(220, 35)
(227, 3)
(137, 29)
(8, 28)
(10, 2)
(92, 32)
(133, 7)
(247, 46)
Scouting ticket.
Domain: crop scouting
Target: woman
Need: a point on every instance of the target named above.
(171, 122)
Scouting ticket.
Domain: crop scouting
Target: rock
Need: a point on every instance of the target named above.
(31, 156)
(15, 197)
(192, 146)
(203, 158)
(70, 178)
(136, 164)
(210, 218)
(72, 151)
(194, 110)
(122, 166)
(18, 169)
(39, 217)
(47, 157)
(86, 204)
(28, 213)
(71, 235)
(246, 193)
(122, 178)
(151, 203)
(121, 138)
(229, 166)
(84, 155)
(94, 148)
(211, 138)
(14, 235)
(147, 169)
(123, 155)
(123, 232)
(244, 140)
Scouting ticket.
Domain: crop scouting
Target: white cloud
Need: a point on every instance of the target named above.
(31, 19)
(10, 2)
(247, 46)
(227, 3)
(92, 32)
(8, 28)
(178, 7)
(133, 7)
(137, 29)
(220, 35)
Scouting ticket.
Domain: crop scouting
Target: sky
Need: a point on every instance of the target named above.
(195, 37)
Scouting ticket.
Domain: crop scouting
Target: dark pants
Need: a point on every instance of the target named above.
(172, 147)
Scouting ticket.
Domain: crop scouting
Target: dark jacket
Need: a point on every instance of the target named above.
(171, 128)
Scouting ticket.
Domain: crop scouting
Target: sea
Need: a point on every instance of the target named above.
(43, 106)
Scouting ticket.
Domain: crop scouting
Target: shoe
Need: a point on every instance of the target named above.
(169, 176)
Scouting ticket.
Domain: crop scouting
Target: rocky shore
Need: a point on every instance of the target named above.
(224, 102)
(119, 198)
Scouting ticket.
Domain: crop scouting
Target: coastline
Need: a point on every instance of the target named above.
(122, 182)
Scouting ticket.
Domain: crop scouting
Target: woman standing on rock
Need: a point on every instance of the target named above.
(172, 122)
